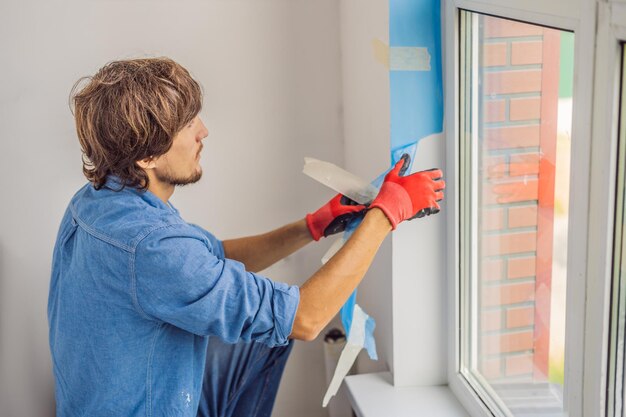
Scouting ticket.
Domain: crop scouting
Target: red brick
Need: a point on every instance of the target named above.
(518, 365)
(494, 110)
(495, 27)
(510, 192)
(523, 216)
(509, 243)
(494, 54)
(491, 320)
(521, 267)
(525, 108)
(507, 342)
(491, 368)
(512, 137)
(524, 164)
(502, 295)
(520, 317)
(493, 219)
(495, 167)
(492, 270)
(508, 82)
(526, 53)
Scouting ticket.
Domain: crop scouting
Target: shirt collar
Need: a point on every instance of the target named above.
(114, 183)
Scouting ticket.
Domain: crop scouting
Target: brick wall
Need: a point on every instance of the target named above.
(518, 95)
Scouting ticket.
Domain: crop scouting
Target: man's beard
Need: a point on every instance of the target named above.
(168, 178)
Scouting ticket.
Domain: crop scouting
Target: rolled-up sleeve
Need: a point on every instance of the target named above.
(179, 279)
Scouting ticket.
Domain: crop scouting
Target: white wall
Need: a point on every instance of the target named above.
(272, 78)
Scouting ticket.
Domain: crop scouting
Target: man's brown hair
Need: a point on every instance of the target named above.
(131, 110)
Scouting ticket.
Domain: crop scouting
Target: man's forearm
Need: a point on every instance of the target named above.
(261, 251)
(326, 291)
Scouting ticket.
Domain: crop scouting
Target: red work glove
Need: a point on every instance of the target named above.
(416, 195)
(333, 217)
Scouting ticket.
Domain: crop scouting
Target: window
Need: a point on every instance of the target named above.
(532, 229)
(516, 107)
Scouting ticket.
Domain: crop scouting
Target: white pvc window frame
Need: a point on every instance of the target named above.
(591, 206)
(615, 400)
(611, 36)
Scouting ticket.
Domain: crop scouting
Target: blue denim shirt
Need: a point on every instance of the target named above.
(134, 295)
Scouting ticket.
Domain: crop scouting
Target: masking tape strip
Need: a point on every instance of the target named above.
(381, 52)
(340, 180)
(409, 58)
(401, 58)
(338, 244)
(334, 248)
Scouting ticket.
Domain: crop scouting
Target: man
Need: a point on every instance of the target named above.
(152, 316)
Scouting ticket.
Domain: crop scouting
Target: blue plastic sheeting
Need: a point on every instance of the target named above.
(416, 105)
(416, 96)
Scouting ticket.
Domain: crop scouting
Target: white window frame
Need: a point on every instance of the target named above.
(591, 207)
(611, 33)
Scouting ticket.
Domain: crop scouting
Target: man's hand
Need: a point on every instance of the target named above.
(334, 216)
(416, 195)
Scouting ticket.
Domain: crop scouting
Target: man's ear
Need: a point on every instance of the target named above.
(147, 163)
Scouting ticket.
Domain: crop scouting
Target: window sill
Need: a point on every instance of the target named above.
(373, 395)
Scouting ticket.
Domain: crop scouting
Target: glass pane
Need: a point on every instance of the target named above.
(516, 107)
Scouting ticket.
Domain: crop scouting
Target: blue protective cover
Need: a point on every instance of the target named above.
(416, 105)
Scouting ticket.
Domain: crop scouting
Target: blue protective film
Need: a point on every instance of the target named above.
(347, 311)
(396, 154)
(416, 106)
(416, 96)
(370, 342)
